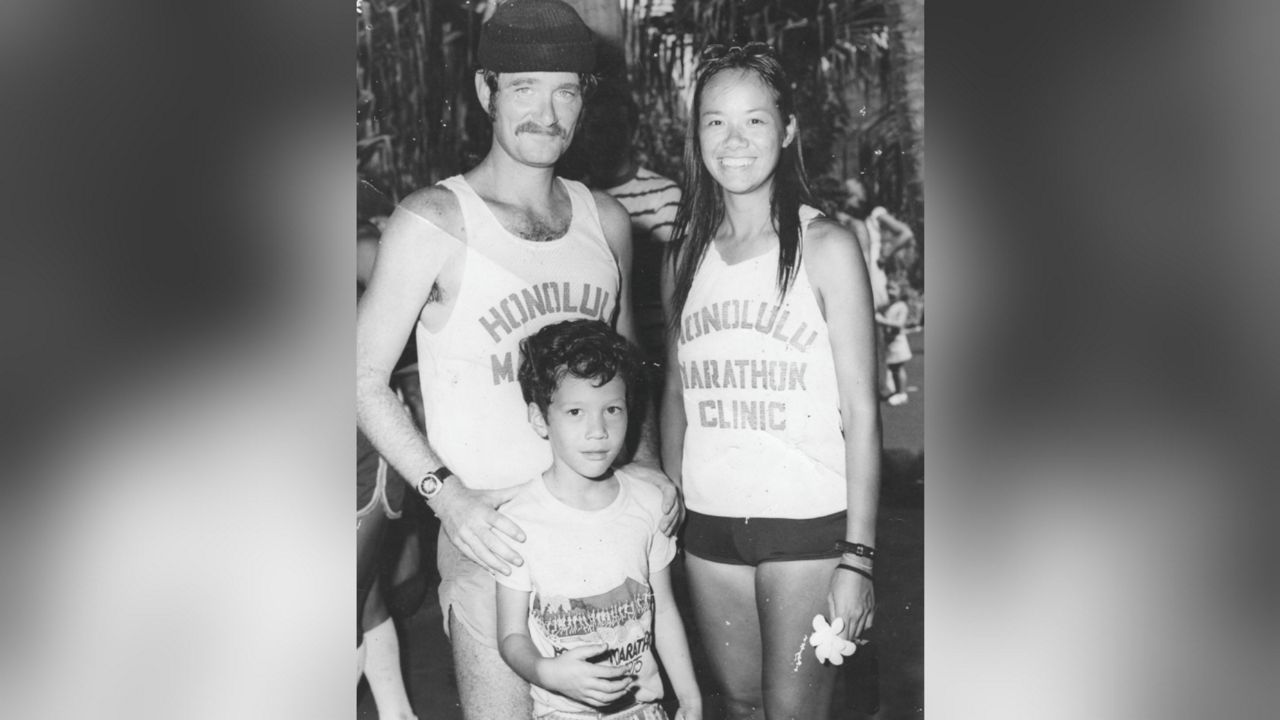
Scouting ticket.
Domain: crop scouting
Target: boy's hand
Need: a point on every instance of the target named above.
(575, 676)
(472, 521)
(672, 505)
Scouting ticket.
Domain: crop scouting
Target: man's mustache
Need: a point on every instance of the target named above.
(535, 128)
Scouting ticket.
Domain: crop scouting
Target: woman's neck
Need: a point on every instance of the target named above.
(746, 218)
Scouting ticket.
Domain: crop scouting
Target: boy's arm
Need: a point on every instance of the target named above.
(570, 674)
(673, 647)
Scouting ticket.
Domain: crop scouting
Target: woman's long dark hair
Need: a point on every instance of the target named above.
(702, 204)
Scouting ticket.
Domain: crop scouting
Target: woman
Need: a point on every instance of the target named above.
(771, 418)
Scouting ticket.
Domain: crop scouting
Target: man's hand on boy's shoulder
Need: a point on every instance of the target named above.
(475, 526)
(672, 504)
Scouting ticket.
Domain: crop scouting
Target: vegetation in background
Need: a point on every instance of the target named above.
(857, 65)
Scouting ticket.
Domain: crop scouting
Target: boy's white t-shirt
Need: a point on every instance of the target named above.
(587, 574)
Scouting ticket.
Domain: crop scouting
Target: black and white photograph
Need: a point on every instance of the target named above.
(643, 383)
(640, 359)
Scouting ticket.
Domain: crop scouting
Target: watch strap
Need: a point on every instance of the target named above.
(438, 475)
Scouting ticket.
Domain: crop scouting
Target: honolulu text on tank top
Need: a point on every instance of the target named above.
(510, 288)
(763, 437)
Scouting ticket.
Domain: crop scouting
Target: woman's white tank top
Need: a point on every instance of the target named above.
(764, 435)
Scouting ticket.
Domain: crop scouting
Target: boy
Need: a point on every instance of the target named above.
(581, 618)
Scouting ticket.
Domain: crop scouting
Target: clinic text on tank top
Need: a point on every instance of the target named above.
(476, 419)
(763, 435)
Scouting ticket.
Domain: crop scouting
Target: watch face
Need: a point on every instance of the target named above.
(429, 485)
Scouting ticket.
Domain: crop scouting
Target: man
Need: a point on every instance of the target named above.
(479, 262)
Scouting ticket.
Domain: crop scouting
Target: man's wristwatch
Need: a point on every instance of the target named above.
(433, 482)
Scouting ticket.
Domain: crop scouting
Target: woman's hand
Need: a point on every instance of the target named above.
(853, 598)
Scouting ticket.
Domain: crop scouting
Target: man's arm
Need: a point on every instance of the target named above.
(414, 251)
(645, 463)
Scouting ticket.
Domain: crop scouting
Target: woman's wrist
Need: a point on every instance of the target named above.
(858, 562)
(856, 549)
(864, 572)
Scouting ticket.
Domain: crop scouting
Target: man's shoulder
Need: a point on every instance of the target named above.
(614, 220)
(438, 205)
(606, 202)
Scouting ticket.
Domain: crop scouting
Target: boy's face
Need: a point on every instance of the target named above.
(586, 425)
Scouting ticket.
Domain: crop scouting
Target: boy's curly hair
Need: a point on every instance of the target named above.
(586, 349)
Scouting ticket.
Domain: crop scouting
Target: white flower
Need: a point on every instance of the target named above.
(827, 643)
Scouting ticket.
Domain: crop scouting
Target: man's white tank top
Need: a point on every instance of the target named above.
(476, 419)
(764, 435)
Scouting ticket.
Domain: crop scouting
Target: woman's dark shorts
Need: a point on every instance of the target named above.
(751, 541)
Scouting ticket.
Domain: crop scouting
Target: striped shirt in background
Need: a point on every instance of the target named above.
(651, 200)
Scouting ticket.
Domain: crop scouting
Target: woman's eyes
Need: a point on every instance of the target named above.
(750, 121)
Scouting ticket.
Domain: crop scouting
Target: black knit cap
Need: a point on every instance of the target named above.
(537, 36)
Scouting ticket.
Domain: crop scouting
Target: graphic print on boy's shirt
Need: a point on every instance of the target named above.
(621, 619)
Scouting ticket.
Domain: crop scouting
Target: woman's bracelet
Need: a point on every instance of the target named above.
(852, 548)
(860, 571)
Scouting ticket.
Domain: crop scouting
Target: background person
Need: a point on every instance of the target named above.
(380, 537)
(607, 161)
(893, 324)
(883, 239)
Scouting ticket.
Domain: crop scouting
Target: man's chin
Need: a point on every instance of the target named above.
(542, 162)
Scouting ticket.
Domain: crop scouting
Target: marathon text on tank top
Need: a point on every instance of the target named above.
(763, 436)
(510, 288)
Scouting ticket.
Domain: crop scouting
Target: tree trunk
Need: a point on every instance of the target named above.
(907, 45)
